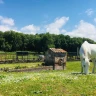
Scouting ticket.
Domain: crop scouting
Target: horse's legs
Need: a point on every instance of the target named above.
(82, 66)
(94, 65)
(81, 69)
(87, 68)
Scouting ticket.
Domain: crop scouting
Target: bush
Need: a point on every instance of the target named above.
(19, 67)
(6, 69)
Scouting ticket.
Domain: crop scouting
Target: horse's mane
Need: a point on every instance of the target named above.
(84, 48)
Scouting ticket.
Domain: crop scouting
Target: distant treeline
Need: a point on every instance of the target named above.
(15, 41)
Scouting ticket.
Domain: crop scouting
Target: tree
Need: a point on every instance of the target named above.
(14, 41)
(47, 42)
(31, 41)
(62, 41)
(1, 40)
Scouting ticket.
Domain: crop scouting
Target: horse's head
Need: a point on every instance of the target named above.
(85, 65)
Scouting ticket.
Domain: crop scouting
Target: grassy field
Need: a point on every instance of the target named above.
(21, 65)
(67, 82)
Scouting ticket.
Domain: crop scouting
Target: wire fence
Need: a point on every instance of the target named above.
(9, 57)
(73, 56)
(6, 57)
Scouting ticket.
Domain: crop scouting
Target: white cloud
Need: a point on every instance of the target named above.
(30, 29)
(95, 20)
(4, 28)
(6, 21)
(89, 12)
(56, 26)
(1, 1)
(6, 24)
(84, 29)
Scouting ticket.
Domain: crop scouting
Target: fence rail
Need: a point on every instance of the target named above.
(73, 56)
(30, 57)
(12, 57)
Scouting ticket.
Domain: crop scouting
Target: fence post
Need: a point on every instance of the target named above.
(77, 52)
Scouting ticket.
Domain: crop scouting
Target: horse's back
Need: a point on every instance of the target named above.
(88, 49)
(84, 48)
(93, 50)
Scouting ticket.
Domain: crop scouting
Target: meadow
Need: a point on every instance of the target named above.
(68, 82)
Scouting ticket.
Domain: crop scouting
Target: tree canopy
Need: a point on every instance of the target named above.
(15, 41)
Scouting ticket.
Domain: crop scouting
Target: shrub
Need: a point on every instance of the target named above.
(6, 69)
(19, 67)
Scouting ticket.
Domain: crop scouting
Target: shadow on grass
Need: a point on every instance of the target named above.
(79, 73)
(76, 73)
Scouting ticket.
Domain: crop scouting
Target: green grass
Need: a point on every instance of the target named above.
(67, 82)
(20, 65)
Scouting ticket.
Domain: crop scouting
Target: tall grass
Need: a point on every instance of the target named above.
(67, 82)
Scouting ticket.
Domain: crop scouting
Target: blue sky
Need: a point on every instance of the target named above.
(76, 18)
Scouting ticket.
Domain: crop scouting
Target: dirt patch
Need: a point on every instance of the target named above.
(32, 69)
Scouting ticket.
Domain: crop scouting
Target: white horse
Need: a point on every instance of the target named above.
(87, 53)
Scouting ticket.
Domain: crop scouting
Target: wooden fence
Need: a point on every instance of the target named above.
(6, 57)
(73, 56)
(14, 57)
